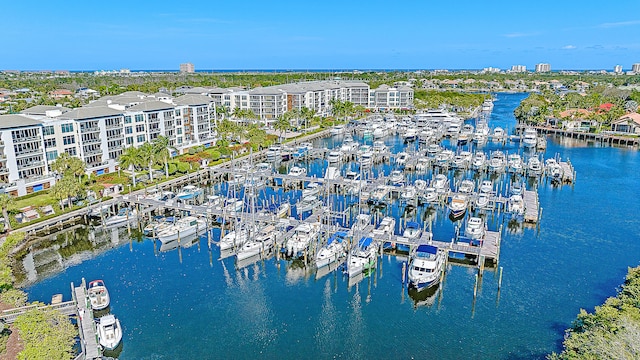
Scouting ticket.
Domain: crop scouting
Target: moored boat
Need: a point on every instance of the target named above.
(333, 250)
(426, 266)
(362, 258)
(98, 295)
(109, 332)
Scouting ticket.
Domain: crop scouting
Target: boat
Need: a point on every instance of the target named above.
(334, 156)
(515, 163)
(534, 167)
(297, 171)
(100, 211)
(401, 158)
(160, 223)
(396, 178)
(482, 200)
(486, 187)
(261, 243)
(337, 130)
(380, 132)
(409, 194)
(123, 216)
(498, 134)
(362, 258)
(274, 153)
(312, 189)
(379, 146)
(365, 155)
(189, 192)
(254, 183)
(444, 157)
(467, 187)
(361, 223)
(487, 106)
(475, 228)
(423, 165)
(479, 161)
(530, 138)
(497, 162)
(303, 235)
(263, 167)
(430, 195)
(187, 226)
(379, 195)
(412, 231)
(348, 145)
(515, 205)
(386, 227)
(233, 239)
(516, 188)
(440, 183)
(283, 210)
(554, 170)
(98, 295)
(458, 205)
(410, 134)
(420, 185)
(433, 150)
(333, 250)
(109, 332)
(308, 204)
(426, 266)
(236, 180)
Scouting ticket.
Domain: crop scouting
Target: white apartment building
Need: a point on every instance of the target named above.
(635, 68)
(617, 69)
(543, 67)
(518, 69)
(386, 98)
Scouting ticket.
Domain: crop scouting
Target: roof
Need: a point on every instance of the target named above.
(635, 117)
(12, 121)
(151, 106)
(429, 249)
(573, 112)
(193, 99)
(42, 109)
(90, 113)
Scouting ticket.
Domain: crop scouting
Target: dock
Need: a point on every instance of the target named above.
(531, 206)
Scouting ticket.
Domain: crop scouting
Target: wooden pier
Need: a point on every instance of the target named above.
(608, 139)
(531, 206)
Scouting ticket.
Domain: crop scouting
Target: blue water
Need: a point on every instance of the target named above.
(188, 304)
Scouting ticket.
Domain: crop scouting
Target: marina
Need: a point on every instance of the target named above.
(472, 279)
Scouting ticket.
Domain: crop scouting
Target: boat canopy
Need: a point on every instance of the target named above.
(338, 236)
(413, 225)
(107, 320)
(427, 249)
(365, 242)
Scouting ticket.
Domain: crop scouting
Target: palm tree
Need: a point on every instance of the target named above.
(282, 124)
(129, 159)
(69, 165)
(161, 149)
(6, 203)
(147, 156)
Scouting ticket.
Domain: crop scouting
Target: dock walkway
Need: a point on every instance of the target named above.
(86, 324)
(531, 206)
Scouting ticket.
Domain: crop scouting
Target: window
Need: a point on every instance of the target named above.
(49, 143)
(68, 140)
(71, 151)
(52, 155)
(47, 130)
(179, 131)
(141, 138)
(140, 128)
(139, 118)
(178, 112)
(127, 119)
(130, 140)
(66, 128)
(128, 129)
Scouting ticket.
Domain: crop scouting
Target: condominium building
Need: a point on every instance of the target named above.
(635, 68)
(543, 67)
(187, 68)
(385, 98)
(617, 69)
(518, 69)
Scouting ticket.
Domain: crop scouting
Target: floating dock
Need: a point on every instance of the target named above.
(531, 206)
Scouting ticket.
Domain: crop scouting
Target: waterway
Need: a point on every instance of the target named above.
(185, 303)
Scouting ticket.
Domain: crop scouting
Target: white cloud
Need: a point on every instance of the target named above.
(519, 34)
(569, 47)
(619, 24)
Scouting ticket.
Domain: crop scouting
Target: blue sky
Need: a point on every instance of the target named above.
(410, 34)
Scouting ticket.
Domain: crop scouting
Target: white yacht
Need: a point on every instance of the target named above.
(515, 205)
(379, 194)
(122, 217)
(297, 171)
(312, 189)
(458, 205)
(333, 250)
(396, 177)
(486, 187)
(274, 153)
(475, 228)
(515, 163)
(497, 162)
(307, 204)
(386, 227)
(430, 195)
(379, 146)
(412, 231)
(479, 161)
(498, 135)
(365, 155)
(348, 145)
(189, 192)
(426, 266)
(334, 156)
(261, 243)
(534, 166)
(530, 138)
(236, 180)
(408, 194)
(401, 158)
(233, 239)
(187, 226)
(303, 235)
(410, 134)
(109, 332)
(362, 258)
(337, 130)
(98, 295)
(440, 183)
(467, 187)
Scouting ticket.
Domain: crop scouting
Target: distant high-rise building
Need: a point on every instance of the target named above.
(518, 69)
(491, 69)
(617, 69)
(187, 68)
(635, 68)
(543, 67)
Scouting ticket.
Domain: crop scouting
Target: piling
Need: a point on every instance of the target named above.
(500, 279)
(404, 272)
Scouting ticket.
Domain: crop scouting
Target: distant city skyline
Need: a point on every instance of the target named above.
(329, 35)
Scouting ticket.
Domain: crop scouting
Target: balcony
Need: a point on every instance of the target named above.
(90, 152)
(28, 152)
(89, 129)
(4, 171)
(114, 126)
(30, 165)
(91, 141)
(25, 139)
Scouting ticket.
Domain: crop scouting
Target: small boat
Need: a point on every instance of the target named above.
(348, 145)
(479, 161)
(307, 204)
(158, 225)
(412, 231)
(426, 266)
(401, 158)
(475, 228)
(362, 258)
(189, 192)
(420, 185)
(440, 183)
(430, 195)
(337, 130)
(254, 183)
(444, 158)
(122, 217)
(515, 205)
(458, 205)
(379, 146)
(396, 178)
(333, 251)
(98, 295)
(187, 226)
(497, 162)
(236, 180)
(334, 156)
(233, 239)
(423, 165)
(312, 189)
(515, 163)
(263, 167)
(554, 170)
(109, 332)
(303, 235)
(380, 132)
(379, 195)
(365, 155)
(408, 194)
(530, 138)
(410, 134)
(433, 150)
(386, 227)
(361, 222)
(498, 134)
(261, 243)
(486, 187)
(467, 187)
(297, 171)
(274, 153)
(283, 210)
(534, 167)
(516, 188)
(482, 200)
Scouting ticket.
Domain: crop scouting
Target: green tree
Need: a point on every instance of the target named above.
(282, 124)
(67, 165)
(6, 203)
(47, 334)
(161, 148)
(147, 157)
(130, 159)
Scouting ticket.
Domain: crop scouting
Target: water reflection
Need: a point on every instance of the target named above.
(426, 297)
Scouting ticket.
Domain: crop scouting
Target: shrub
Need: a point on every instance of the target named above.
(173, 168)
(183, 167)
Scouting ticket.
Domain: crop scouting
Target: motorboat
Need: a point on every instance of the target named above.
(362, 258)
(479, 161)
(497, 162)
(430, 195)
(98, 295)
(380, 132)
(440, 183)
(401, 158)
(482, 200)
(515, 205)
(534, 167)
(361, 223)
(158, 225)
(123, 216)
(236, 180)
(420, 185)
(444, 158)
(475, 228)
(337, 130)
(365, 155)
(458, 205)
(233, 239)
(409, 194)
(412, 231)
(254, 183)
(312, 189)
(187, 226)
(410, 134)
(425, 136)
(426, 266)
(530, 138)
(386, 227)
(333, 250)
(433, 150)
(263, 167)
(379, 146)
(283, 210)
(498, 134)
(261, 243)
(109, 332)
(486, 187)
(467, 187)
(515, 163)
(274, 153)
(396, 178)
(297, 171)
(189, 192)
(422, 165)
(303, 235)
(308, 204)
(459, 162)
(487, 106)
(348, 145)
(300, 152)
(379, 194)
(516, 188)
(334, 156)
(554, 170)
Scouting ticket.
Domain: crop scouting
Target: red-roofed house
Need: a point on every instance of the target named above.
(605, 106)
(628, 123)
(60, 93)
